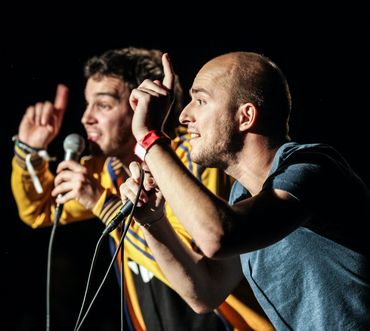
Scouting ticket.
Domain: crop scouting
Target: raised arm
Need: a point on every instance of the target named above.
(219, 229)
(151, 101)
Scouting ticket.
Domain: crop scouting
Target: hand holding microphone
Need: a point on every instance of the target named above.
(151, 201)
(72, 180)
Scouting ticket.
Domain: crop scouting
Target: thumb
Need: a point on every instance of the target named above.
(135, 170)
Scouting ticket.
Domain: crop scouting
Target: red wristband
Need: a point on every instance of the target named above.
(142, 147)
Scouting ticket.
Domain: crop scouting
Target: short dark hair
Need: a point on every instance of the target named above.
(133, 65)
(260, 81)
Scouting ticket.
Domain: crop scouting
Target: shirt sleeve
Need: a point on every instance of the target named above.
(38, 209)
(311, 175)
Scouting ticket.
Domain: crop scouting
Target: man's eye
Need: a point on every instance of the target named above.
(104, 106)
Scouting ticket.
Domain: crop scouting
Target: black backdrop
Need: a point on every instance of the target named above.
(323, 54)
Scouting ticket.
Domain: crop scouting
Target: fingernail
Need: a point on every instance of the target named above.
(151, 181)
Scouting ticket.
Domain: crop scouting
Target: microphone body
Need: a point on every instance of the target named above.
(121, 215)
(73, 146)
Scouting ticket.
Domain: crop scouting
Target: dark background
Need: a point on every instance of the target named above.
(323, 52)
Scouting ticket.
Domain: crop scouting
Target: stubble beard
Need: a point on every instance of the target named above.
(114, 148)
(221, 153)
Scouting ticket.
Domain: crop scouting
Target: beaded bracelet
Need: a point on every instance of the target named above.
(31, 151)
(23, 146)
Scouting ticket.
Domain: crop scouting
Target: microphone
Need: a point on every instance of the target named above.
(124, 211)
(121, 215)
(73, 146)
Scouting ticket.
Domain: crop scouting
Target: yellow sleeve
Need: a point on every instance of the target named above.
(37, 209)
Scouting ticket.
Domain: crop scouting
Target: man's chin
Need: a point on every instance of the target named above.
(207, 161)
(197, 158)
(95, 149)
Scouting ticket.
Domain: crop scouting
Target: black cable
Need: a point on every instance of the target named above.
(122, 284)
(93, 262)
(58, 213)
(129, 220)
(77, 327)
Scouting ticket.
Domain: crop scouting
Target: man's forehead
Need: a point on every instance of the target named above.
(110, 86)
(211, 75)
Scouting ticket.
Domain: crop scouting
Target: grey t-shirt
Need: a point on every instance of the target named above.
(317, 277)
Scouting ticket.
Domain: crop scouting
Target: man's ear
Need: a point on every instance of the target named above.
(247, 116)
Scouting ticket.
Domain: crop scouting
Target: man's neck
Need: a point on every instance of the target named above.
(253, 164)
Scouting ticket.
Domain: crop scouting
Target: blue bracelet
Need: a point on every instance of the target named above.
(24, 146)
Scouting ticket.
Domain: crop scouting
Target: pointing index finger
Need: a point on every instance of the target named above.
(61, 97)
(169, 75)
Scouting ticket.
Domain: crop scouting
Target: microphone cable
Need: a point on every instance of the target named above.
(80, 320)
(58, 213)
(73, 146)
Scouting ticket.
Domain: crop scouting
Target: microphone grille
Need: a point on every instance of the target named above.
(74, 143)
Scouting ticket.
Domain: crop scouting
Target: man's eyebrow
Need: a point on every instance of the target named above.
(109, 94)
(194, 90)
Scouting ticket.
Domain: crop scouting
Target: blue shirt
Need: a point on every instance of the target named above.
(317, 277)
